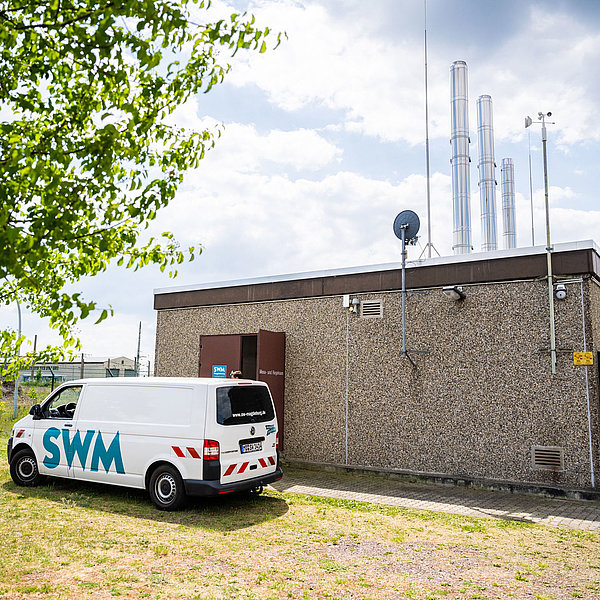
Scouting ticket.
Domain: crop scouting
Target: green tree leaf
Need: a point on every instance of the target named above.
(87, 155)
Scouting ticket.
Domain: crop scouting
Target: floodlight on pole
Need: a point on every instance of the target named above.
(528, 122)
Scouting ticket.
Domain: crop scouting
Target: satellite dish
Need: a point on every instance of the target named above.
(408, 221)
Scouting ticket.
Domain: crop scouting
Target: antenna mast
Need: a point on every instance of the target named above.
(429, 245)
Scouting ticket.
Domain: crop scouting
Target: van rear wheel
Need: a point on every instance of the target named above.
(166, 488)
(24, 469)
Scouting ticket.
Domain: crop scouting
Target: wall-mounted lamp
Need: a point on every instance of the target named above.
(355, 305)
(560, 291)
(454, 292)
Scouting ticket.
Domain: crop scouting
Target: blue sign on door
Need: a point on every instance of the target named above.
(219, 371)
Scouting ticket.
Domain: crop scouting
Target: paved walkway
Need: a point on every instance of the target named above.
(575, 514)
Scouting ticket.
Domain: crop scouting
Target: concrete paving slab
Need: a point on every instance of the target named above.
(575, 514)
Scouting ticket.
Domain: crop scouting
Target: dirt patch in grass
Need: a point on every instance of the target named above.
(74, 540)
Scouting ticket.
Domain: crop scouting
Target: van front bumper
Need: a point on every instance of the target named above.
(201, 487)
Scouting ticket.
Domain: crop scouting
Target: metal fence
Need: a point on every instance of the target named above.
(59, 372)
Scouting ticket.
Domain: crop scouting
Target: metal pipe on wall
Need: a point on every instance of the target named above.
(487, 173)
(508, 203)
(587, 390)
(460, 160)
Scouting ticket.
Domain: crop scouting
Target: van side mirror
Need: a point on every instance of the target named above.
(36, 411)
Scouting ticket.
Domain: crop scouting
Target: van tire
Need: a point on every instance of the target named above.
(24, 469)
(166, 488)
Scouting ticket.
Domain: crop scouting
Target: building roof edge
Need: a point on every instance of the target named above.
(437, 261)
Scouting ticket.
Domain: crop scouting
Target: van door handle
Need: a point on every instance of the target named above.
(68, 425)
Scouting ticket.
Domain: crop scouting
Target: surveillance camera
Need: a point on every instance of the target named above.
(560, 291)
(549, 114)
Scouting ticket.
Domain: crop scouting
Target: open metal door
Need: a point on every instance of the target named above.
(220, 350)
(270, 368)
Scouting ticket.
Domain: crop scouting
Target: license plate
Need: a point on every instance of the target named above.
(252, 447)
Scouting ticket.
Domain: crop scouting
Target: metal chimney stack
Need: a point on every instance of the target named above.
(508, 203)
(487, 173)
(460, 161)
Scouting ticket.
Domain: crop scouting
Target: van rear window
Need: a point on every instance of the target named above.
(241, 404)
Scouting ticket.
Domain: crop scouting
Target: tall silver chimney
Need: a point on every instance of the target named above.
(508, 203)
(487, 173)
(460, 161)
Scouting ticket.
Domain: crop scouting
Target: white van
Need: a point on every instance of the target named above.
(171, 436)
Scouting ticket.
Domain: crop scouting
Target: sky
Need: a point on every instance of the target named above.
(323, 144)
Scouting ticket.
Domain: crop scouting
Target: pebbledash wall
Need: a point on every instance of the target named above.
(481, 405)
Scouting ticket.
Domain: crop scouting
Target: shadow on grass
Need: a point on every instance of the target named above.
(224, 513)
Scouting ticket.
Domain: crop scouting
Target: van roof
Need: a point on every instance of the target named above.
(162, 381)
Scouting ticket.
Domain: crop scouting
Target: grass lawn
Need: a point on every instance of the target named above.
(79, 540)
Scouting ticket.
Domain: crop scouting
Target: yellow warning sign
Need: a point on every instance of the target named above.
(583, 358)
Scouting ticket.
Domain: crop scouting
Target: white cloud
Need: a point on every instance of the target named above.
(548, 64)
(261, 224)
(331, 62)
(242, 148)
(566, 224)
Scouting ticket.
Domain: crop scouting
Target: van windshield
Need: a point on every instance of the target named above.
(241, 404)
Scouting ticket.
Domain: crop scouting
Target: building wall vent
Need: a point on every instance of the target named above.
(547, 458)
(371, 309)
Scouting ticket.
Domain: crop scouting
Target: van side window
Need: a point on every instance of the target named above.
(238, 405)
(63, 405)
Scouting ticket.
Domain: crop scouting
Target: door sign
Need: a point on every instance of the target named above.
(219, 371)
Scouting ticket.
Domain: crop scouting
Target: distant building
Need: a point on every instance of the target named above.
(120, 366)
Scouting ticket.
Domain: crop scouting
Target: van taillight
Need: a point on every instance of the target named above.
(277, 441)
(211, 450)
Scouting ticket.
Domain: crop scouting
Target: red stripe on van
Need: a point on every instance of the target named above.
(193, 452)
(271, 460)
(243, 467)
(178, 451)
(263, 462)
(230, 470)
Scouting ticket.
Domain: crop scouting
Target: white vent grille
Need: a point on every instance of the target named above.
(547, 458)
(371, 309)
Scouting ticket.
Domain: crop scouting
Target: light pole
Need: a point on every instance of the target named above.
(528, 122)
(16, 398)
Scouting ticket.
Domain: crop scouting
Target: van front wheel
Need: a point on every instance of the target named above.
(24, 469)
(166, 488)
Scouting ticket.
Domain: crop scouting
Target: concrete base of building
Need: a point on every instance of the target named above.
(514, 487)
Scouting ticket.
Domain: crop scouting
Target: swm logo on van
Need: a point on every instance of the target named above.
(81, 448)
